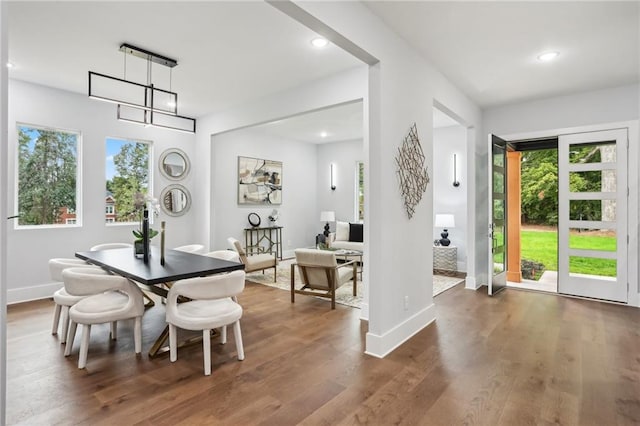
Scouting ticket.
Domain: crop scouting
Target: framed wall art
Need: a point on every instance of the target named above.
(259, 181)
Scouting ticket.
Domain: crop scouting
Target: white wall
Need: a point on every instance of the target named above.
(3, 210)
(447, 198)
(402, 89)
(344, 156)
(30, 249)
(297, 213)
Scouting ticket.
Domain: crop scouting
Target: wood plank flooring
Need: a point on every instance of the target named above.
(517, 359)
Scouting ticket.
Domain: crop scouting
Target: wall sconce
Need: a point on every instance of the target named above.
(333, 178)
(456, 183)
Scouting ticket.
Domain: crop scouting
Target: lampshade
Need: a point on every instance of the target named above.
(327, 217)
(445, 221)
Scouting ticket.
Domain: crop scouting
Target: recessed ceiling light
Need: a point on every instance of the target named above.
(319, 42)
(323, 134)
(548, 56)
(9, 65)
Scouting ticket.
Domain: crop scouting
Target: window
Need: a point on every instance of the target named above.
(360, 191)
(48, 180)
(127, 173)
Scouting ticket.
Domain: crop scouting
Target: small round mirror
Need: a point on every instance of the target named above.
(174, 164)
(175, 200)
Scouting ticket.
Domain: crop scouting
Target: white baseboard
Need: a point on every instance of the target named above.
(381, 346)
(364, 312)
(36, 292)
(470, 283)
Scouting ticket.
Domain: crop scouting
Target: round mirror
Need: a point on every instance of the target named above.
(174, 164)
(175, 200)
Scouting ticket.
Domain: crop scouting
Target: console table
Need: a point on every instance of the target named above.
(445, 259)
(263, 240)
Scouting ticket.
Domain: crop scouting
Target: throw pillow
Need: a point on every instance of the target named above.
(356, 232)
(342, 231)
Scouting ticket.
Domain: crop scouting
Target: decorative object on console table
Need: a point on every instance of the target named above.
(254, 219)
(162, 228)
(327, 217)
(445, 260)
(273, 218)
(445, 221)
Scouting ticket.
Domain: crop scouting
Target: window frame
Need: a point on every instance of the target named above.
(356, 211)
(115, 223)
(79, 181)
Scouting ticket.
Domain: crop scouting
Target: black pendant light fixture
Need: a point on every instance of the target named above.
(139, 103)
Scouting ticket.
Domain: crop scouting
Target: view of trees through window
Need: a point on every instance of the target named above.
(47, 176)
(127, 172)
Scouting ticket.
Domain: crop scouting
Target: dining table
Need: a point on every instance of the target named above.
(156, 276)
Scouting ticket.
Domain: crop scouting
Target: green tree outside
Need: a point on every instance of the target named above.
(47, 174)
(131, 176)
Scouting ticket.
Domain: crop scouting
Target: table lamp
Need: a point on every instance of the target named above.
(445, 221)
(327, 217)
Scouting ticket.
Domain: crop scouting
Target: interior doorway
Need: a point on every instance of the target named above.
(450, 195)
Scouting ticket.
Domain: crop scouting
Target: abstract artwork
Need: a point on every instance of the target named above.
(259, 181)
(412, 171)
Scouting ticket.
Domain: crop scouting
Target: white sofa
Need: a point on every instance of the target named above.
(340, 238)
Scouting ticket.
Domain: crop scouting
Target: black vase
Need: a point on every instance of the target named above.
(444, 241)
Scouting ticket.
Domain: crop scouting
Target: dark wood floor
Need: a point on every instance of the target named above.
(519, 358)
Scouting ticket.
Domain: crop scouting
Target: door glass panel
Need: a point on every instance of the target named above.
(593, 181)
(498, 262)
(593, 239)
(498, 183)
(596, 152)
(498, 210)
(591, 266)
(604, 210)
(498, 159)
(498, 236)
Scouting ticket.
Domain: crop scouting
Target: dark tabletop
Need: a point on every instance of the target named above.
(177, 265)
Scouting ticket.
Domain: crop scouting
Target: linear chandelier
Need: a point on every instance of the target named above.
(140, 103)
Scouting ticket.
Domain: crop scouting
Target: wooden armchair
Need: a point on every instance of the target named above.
(321, 274)
(255, 262)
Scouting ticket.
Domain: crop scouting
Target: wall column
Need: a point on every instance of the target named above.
(514, 198)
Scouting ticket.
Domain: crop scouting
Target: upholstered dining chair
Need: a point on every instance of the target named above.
(119, 299)
(191, 248)
(230, 255)
(110, 246)
(62, 299)
(210, 306)
(255, 262)
(321, 275)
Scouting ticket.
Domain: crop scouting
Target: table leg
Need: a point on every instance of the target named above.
(160, 346)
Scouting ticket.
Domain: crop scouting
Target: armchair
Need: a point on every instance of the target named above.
(255, 262)
(321, 274)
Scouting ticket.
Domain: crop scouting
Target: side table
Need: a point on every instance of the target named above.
(445, 260)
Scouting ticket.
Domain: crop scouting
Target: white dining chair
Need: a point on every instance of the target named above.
(211, 306)
(62, 299)
(229, 255)
(191, 248)
(110, 246)
(119, 299)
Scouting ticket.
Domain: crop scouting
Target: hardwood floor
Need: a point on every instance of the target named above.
(519, 358)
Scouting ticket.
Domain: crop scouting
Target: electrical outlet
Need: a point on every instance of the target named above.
(406, 303)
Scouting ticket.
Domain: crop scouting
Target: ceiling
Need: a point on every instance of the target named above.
(229, 53)
(489, 49)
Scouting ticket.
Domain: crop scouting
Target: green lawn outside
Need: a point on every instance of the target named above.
(542, 246)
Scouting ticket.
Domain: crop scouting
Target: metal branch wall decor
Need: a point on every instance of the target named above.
(412, 171)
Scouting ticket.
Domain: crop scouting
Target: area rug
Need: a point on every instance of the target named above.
(344, 294)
